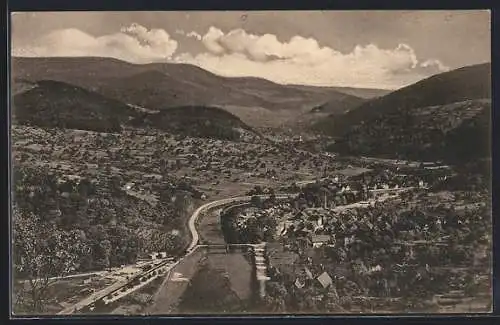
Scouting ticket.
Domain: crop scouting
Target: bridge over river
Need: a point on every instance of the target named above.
(166, 266)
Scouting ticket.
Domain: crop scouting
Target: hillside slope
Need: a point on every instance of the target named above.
(472, 82)
(453, 132)
(291, 96)
(427, 120)
(196, 121)
(49, 103)
(158, 90)
(19, 86)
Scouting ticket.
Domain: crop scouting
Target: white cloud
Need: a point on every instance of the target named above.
(304, 60)
(211, 40)
(191, 34)
(134, 43)
(298, 60)
(194, 35)
(432, 63)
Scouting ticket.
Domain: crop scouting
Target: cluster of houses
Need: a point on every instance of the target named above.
(304, 274)
(300, 281)
(312, 219)
(306, 224)
(153, 256)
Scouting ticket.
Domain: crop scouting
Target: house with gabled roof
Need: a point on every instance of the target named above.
(325, 280)
(320, 240)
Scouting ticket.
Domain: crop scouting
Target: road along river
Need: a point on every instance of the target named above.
(195, 238)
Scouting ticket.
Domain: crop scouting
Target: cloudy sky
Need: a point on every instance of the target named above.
(376, 49)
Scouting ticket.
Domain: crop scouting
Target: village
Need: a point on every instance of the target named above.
(382, 241)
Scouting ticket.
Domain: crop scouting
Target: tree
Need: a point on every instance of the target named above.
(253, 231)
(86, 188)
(115, 184)
(272, 197)
(105, 249)
(182, 203)
(269, 227)
(172, 243)
(276, 296)
(99, 242)
(166, 194)
(256, 201)
(40, 253)
(124, 243)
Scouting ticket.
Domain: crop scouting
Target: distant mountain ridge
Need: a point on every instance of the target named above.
(162, 85)
(365, 93)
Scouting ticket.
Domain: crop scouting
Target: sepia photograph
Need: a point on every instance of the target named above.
(251, 162)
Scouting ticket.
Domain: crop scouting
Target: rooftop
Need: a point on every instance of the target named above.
(320, 238)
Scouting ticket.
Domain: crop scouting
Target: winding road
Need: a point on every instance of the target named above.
(195, 238)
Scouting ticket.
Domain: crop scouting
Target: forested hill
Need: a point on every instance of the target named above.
(471, 82)
(196, 121)
(445, 117)
(49, 103)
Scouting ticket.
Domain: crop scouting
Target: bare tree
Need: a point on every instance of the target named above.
(41, 255)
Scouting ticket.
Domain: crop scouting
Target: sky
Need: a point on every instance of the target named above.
(372, 49)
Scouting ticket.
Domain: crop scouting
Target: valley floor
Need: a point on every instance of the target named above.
(206, 169)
